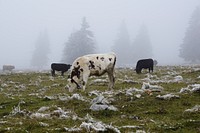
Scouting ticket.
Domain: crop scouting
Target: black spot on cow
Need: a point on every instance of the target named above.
(144, 64)
(97, 57)
(77, 63)
(81, 69)
(110, 59)
(75, 72)
(83, 82)
(102, 58)
(59, 67)
(99, 66)
(91, 65)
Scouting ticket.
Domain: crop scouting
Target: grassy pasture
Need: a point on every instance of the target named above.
(24, 93)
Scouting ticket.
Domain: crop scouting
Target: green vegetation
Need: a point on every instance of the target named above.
(31, 91)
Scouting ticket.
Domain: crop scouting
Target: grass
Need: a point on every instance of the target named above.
(147, 112)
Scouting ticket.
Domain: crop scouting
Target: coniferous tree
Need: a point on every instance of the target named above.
(142, 47)
(191, 43)
(40, 54)
(80, 43)
(122, 46)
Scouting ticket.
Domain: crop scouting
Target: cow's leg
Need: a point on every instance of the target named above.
(85, 79)
(111, 79)
(140, 71)
(62, 73)
(53, 72)
(150, 69)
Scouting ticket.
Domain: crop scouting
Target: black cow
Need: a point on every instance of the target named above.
(59, 67)
(144, 63)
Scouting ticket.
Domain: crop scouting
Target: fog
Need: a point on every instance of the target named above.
(21, 22)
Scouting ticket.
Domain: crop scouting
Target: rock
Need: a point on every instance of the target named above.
(178, 79)
(134, 90)
(138, 95)
(196, 108)
(40, 116)
(129, 81)
(50, 97)
(191, 88)
(185, 90)
(195, 90)
(99, 82)
(167, 96)
(101, 103)
(140, 131)
(60, 113)
(154, 88)
(94, 92)
(42, 109)
(98, 107)
(99, 100)
(73, 129)
(42, 124)
(195, 87)
(77, 96)
(131, 127)
(98, 127)
(63, 98)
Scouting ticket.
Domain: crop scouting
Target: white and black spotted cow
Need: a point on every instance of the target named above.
(91, 65)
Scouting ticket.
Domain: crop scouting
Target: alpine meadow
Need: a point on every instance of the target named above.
(164, 101)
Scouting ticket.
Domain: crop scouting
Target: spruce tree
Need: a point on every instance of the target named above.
(79, 43)
(191, 43)
(121, 46)
(141, 47)
(42, 49)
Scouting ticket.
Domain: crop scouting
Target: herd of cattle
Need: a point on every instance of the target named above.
(91, 65)
(95, 65)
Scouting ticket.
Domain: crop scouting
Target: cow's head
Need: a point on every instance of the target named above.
(138, 71)
(72, 85)
(74, 78)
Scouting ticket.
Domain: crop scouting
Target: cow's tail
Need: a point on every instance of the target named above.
(114, 62)
(115, 59)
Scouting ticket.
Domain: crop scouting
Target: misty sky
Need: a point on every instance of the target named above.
(21, 22)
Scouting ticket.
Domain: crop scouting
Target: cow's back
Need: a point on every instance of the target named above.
(145, 63)
(60, 66)
(96, 63)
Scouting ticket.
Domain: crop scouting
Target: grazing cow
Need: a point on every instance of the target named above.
(8, 67)
(59, 67)
(91, 65)
(144, 63)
